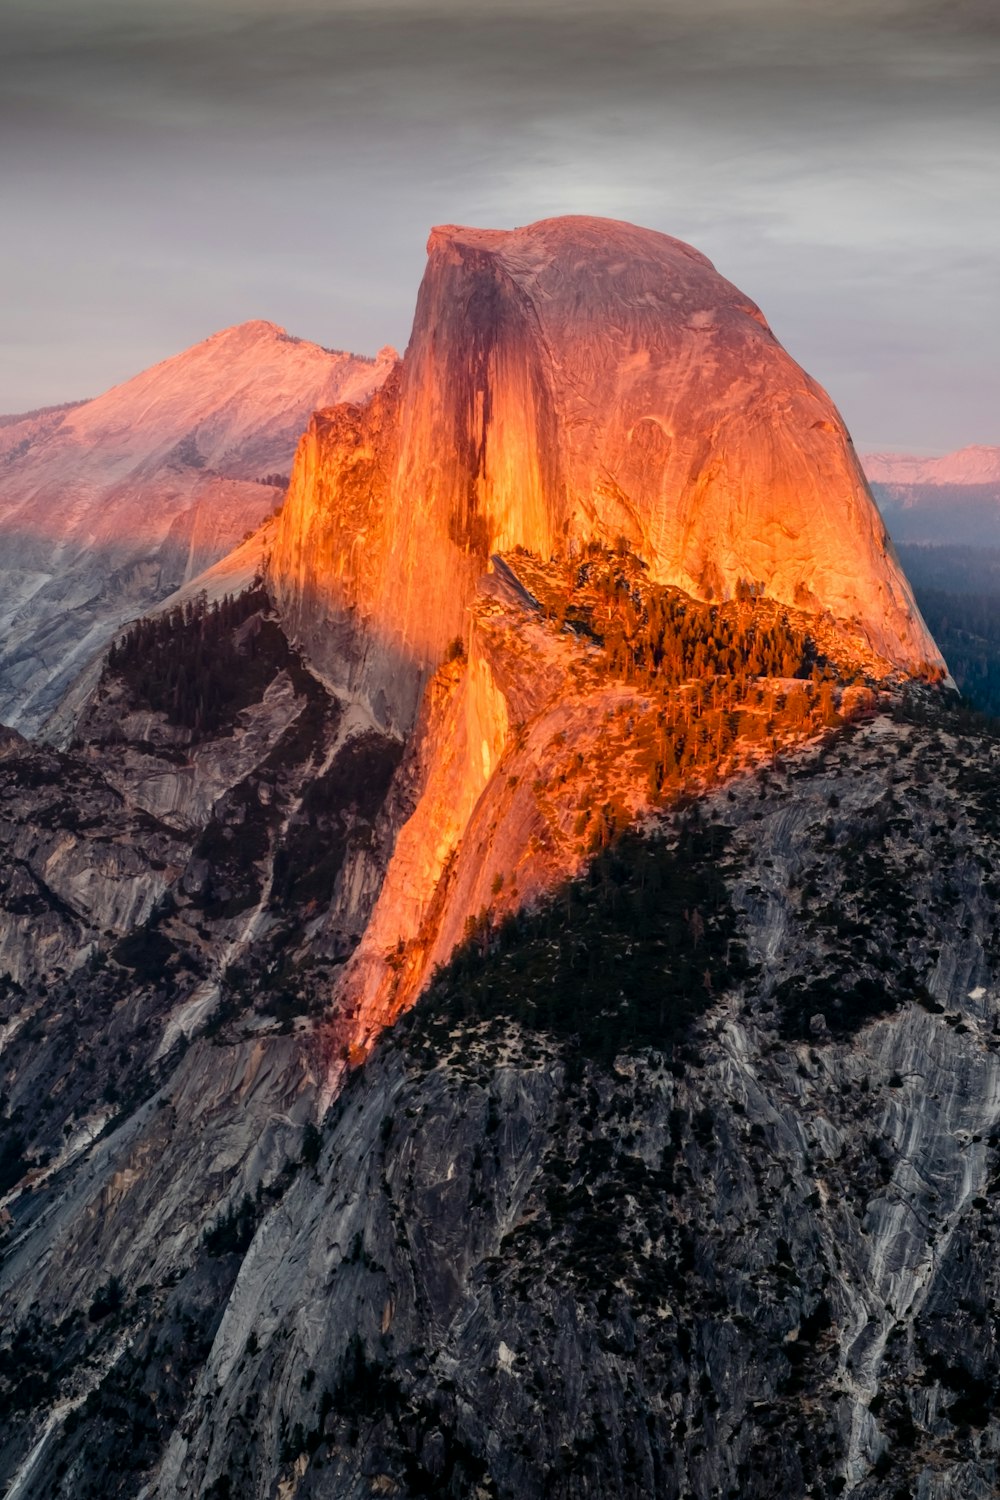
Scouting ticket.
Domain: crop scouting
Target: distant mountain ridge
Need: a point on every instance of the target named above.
(109, 504)
(976, 464)
(947, 501)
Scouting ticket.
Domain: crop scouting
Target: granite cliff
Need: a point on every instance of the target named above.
(575, 384)
(579, 379)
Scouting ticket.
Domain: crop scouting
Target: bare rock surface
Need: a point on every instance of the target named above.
(757, 1254)
(575, 379)
(79, 862)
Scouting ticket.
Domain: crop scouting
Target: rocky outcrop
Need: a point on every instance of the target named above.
(109, 505)
(576, 379)
(532, 749)
(79, 864)
(757, 1252)
(162, 873)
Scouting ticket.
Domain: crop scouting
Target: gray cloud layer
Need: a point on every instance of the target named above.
(170, 167)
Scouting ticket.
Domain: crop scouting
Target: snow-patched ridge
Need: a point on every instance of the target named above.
(976, 464)
(107, 506)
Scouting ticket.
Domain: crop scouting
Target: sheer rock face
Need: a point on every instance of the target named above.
(577, 378)
(77, 863)
(107, 506)
(512, 745)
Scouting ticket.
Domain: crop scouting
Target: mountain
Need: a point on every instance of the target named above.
(577, 379)
(579, 384)
(108, 505)
(949, 501)
(506, 1006)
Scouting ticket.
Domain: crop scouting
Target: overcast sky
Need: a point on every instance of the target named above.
(170, 167)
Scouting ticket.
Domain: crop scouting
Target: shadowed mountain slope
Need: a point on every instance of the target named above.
(575, 716)
(108, 505)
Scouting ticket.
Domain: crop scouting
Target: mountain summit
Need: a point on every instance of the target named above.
(577, 379)
(108, 505)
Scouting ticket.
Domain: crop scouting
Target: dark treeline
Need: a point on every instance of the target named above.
(967, 629)
(958, 591)
(188, 663)
(954, 569)
(626, 956)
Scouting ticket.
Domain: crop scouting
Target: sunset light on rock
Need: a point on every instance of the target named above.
(499, 819)
(577, 380)
(145, 486)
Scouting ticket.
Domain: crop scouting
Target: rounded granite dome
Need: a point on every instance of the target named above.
(584, 378)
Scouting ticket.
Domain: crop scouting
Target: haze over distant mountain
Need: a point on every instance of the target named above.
(944, 516)
(952, 500)
(977, 464)
(107, 506)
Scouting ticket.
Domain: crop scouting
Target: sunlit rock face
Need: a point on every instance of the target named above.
(107, 506)
(577, 378)
(513, 743)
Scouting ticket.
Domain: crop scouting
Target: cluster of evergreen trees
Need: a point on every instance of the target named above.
(626, 956)
(188, 664)
(656, 635)
(696, 728)
(705, 663)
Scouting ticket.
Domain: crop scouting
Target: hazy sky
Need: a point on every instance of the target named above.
(173, 166)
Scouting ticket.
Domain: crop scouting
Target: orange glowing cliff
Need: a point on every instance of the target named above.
(573, 383)
(578, 378)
